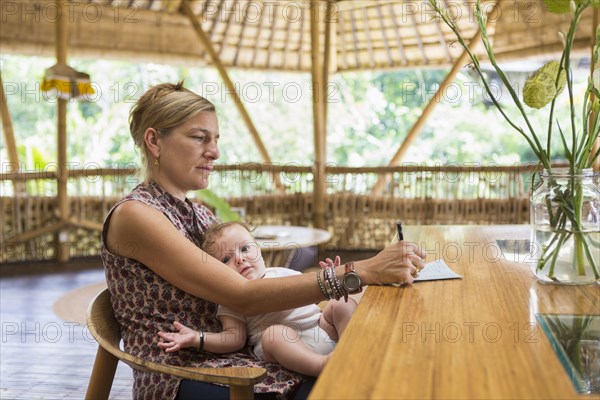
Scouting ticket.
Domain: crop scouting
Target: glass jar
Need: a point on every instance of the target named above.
(565, 217)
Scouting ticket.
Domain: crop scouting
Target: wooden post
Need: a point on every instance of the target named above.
(208, 47)
(418, 126)
(327, 60)
(62, 249)
(320, 188)
(9, 140)
(596, 164)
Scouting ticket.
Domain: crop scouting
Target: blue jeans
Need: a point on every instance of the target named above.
(195, 390)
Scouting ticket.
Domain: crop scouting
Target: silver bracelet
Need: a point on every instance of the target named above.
(201, 344)
(320, 282)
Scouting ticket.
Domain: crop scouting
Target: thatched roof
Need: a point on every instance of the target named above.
(275, 34)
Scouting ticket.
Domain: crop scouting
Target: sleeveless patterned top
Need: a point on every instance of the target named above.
(144, 303)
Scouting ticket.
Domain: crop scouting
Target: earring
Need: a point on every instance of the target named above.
(156, 163)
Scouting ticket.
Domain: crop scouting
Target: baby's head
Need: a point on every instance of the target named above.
(233, 245)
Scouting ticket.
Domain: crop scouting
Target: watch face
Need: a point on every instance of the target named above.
(351, 282)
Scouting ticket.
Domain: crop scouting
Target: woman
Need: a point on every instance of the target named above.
(157, 273)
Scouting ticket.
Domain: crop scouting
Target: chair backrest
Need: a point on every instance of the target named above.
(107, 332)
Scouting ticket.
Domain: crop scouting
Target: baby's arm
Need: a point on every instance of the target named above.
(231, 338)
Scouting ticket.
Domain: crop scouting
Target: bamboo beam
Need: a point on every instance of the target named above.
(86, 224)
(319, 192)
(9, 137)
(398, 37)
(301, 39)
(240, 38)
(271, 38)
(342, 40)
(385, 39)
(354, 38)
(227, 26)
(257, 37)
(418, 126)
(287, 44)
(26, 236)
(213, 24)
(327, 66)
(62, 250)
(368, 37)
(187, 10)
(596, 22)
(413, 19)
(443, 39)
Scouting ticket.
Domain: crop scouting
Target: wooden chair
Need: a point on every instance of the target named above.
(105, 329)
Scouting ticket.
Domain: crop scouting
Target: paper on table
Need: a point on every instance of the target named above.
(435, 270)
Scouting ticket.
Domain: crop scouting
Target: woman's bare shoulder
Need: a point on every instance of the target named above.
(133, 222)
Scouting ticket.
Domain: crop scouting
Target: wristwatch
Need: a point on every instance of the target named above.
(351, 281)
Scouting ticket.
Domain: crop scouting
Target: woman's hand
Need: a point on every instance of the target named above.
(398, 263)
(173, 341)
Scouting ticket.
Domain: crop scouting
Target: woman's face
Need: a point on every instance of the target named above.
(237, 249)
(187, 155)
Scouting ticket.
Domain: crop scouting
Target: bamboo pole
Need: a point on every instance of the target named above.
(418, 126)
(62, 196)
(319, 191)
(9, 138)
(596, 164)
(327, 67)
(208, 47)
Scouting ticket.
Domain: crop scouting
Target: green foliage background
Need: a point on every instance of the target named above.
(370, 114)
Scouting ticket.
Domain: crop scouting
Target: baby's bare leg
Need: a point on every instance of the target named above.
(288, 350)
(336, 316)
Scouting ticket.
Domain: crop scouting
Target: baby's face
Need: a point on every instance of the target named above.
(237, 249)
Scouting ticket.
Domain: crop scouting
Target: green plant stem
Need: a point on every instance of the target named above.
(579, 239)
(564, 236)
(590, 258)
(482, 27)
(535, 146)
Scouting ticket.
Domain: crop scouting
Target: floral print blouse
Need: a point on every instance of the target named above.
(144, 303)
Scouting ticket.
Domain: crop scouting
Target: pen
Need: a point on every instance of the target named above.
(399, 227)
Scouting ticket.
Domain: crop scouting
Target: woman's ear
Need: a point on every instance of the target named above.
(151, 137)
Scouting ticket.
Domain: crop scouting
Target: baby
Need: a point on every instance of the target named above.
(299, 339)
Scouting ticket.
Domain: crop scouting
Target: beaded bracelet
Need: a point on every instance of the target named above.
(333, 281)
(338, 286)
(320, 282)
(328, 287)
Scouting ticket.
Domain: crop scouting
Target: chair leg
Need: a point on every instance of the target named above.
(241, 392)
(102, 376)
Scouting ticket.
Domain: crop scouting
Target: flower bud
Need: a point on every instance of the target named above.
(541, 87)
(563, 38)
(596, 78)
(573, 6)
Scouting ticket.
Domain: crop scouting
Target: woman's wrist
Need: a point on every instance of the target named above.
(362, 269)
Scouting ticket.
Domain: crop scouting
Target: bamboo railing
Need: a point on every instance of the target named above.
(415, 194)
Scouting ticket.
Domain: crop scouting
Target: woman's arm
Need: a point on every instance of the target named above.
(138, 231)
(231, 338)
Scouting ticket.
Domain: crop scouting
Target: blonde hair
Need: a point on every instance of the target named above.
(163, 107)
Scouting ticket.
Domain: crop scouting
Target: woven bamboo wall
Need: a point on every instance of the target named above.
(355, 221)
(357, 218)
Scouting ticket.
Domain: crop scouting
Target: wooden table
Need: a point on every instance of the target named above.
(473, 338)
(280, 244)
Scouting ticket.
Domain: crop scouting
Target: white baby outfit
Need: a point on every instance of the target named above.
(303, 322)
